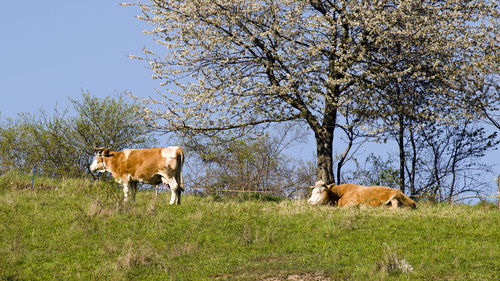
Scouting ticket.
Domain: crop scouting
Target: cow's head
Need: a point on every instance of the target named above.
(320, 194)
(99, 165)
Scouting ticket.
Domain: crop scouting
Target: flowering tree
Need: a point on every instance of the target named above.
(238, 63)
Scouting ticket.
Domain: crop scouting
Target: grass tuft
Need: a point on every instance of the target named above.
(392, 264)
(135, 255)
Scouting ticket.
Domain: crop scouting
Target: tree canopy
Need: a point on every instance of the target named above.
(238, 63)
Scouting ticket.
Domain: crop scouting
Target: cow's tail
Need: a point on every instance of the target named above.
(180, 163)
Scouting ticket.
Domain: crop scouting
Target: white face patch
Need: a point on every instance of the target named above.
(98, 164)
(317, 195)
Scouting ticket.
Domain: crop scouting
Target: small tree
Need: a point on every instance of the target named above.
(442, 162)
(375, 171)
(354, 136)
(18, 146)
(112, 122)
(446, 164)
(243, 163)
(62, 145)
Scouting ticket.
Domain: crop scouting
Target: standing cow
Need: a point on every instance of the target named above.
(151, 166)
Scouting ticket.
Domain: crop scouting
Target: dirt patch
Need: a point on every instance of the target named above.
(317, 276)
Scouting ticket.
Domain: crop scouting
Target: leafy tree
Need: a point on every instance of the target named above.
(17, 144)
(111, 122)
(40, 139)
(236, 63)
(61, 145)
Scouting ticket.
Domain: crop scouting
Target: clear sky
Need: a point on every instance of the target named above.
(51, 50)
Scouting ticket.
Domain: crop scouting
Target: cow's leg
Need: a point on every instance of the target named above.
(172, 197)
(133, 186)
(178, 195)
(175, 189)
(125, 191)
(392, 203)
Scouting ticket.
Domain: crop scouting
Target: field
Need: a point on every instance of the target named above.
(77, 229)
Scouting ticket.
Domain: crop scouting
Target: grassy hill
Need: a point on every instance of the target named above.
(77, 229)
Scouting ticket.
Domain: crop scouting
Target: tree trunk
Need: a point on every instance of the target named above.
(324, 150)
(412, 172)
(324, 135)
(402, 155)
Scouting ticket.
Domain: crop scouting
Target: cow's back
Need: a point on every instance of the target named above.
(145, 161)
(138, 164)
(354, 194)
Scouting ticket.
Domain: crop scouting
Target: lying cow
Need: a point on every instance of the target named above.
(151, 166)
(353, 195)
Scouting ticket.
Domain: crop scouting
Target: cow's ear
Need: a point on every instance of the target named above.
(105, 152)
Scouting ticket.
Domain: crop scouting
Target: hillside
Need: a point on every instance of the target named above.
(76, 229)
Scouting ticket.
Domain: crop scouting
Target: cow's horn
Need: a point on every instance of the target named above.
(320, 183)
(316, 184)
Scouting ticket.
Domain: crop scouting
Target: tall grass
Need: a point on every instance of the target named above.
(79, 229)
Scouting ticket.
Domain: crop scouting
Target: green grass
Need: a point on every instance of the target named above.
(77, 229)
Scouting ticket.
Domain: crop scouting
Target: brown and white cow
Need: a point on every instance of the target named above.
(151, 166)
(353, 195)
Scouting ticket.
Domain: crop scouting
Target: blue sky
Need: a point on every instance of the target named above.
(52, 50)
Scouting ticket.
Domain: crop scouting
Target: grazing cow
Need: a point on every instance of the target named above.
(151, 166)
(353, 195)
